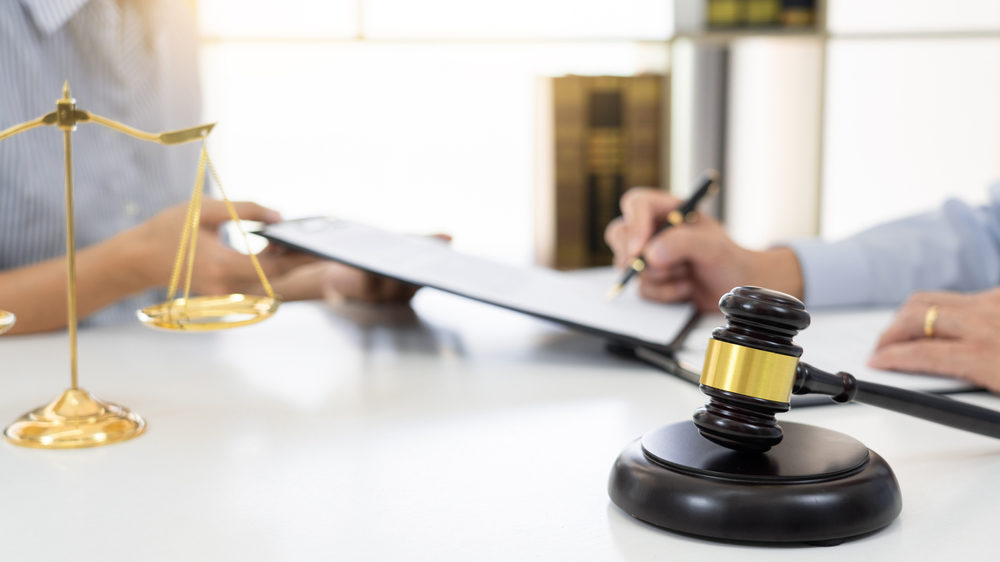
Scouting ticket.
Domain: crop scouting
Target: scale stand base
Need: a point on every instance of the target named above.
(817, 486)
(74, 420)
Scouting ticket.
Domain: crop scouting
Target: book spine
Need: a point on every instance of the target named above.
(733, 14)
(605, 162)
(600, 135)
(642, 126)
(762, 13)
(570, 245)
(798, 13)
(723, 14)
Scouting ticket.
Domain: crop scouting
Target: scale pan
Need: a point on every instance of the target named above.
(209, 313)
(6, 320)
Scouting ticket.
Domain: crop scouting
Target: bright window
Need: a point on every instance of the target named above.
(419, 118)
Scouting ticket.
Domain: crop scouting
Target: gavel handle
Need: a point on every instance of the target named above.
(843, 387)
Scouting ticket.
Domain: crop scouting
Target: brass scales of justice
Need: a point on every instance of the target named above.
(77, 418)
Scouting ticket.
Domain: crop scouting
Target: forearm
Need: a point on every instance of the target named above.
(954, 248)
(37, 293)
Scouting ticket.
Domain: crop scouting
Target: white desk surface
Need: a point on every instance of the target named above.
(460, 432)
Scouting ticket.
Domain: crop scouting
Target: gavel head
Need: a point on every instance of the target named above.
(750, 368)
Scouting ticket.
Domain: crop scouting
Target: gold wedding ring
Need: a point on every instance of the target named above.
(929, 319)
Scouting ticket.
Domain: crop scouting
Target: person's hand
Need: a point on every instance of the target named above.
(347, 283)
(965, 340)
(218, 269)
(695, 262)
(335, 282)
(340, 282)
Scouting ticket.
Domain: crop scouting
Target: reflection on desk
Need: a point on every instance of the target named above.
(453, 431)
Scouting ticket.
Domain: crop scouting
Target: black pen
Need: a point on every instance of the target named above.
(685, 213)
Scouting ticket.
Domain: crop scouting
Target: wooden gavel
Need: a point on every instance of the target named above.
(752, 368)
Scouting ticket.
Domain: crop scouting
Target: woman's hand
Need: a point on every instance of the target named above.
(151, 250)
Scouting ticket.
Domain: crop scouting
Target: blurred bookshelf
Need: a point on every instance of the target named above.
(715, 110)
(827, 127)
(762, 15)
(434, 107)
(430, 105)
(746, 99)
(728, 20)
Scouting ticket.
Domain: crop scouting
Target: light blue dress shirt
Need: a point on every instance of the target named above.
(956, 247)
(134, 61)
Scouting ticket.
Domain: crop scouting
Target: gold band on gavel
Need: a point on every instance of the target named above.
(748, 371)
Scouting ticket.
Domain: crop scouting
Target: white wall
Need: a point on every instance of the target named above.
(415, 137)
(772, 155)
(427, 123)
(913, 108)
(912, 16)
(909, 123)
(911, 118)
(415, 116)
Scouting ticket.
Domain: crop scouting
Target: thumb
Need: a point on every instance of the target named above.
(675, 246)
(643, 209)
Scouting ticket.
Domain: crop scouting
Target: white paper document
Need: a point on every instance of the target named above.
(836, 340)
(567, 298)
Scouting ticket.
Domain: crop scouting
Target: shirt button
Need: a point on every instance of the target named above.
(131, 209)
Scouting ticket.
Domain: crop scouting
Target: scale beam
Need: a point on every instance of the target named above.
(67, 115)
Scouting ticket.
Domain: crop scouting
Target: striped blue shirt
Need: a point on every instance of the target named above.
(134, 61)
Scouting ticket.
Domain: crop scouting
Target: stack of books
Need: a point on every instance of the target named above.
(729, 14)
(600, 135)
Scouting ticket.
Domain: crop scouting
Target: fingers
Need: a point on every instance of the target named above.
(273, 265)
(695, 262)
(395, 291)
(382, 289)
(973, 361)
(224, 270)
(341, 282)
(666, 274)
(963, 343)
(667, 284)
(336, 282)
(931, 356)
(643, 210)
(911, 319)
(675, 246)
(301, 283)
(614, 237)
(215, 212)
(673, 291)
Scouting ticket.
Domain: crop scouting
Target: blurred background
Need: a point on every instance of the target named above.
(514, 125)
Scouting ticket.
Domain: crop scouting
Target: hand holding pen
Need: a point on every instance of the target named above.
(697, 262)
(686, 212)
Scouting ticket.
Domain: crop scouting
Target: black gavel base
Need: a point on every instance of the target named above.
(817, 486)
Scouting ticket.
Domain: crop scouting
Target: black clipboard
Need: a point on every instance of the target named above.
(431, 263)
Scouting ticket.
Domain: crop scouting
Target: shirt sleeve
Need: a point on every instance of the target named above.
(956, 247)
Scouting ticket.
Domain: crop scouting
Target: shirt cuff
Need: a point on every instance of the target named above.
(833, 274)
